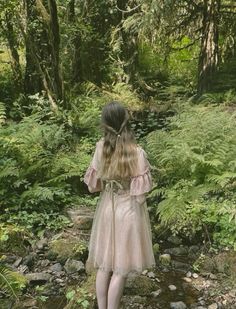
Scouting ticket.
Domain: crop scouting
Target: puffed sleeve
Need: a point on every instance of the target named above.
(142, 183)
(91, 178)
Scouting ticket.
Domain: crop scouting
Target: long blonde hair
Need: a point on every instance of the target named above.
(119, 155)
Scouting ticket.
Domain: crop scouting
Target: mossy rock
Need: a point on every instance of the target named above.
(13, 240)
(139, 285)
(65, 248)
(19, 280)
(85, 294)
(224, 262)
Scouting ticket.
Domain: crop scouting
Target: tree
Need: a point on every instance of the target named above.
(42, 40)
(10, 34)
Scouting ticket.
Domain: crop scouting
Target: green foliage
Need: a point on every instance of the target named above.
(195, 167)
(42, 166)
(11, 282)
(79, 298)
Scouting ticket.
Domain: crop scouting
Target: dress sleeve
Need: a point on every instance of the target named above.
(142, 183)
(91, 178)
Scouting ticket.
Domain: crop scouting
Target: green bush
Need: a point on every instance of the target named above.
(196, 171)
(41, 167)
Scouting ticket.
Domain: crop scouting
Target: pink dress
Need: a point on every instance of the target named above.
(121, 239)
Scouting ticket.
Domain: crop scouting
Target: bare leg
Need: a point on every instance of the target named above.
(115, 291)
(102, 284)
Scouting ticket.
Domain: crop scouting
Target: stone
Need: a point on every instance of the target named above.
(73, 266)
(28, 260)
(42, 243)
(23, 269)
(195, 276)
(145, 272)
(193, 249)
(156, 293)
(18, 262)
(139, 285)
(151, 274)
(180, 266)
(172, 287)
(44, 263)
(38, 277)
(189, 274)
(70, 247)
(188, 280)
(56, 267)
(178, 305)
(178, 251)
(175, 240)
(213, 306)
(165, 259)
(213, 277)
(232, 293)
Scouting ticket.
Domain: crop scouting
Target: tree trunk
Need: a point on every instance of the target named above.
(34, 40)
(42, 50)
(12, 43)
(209, 53)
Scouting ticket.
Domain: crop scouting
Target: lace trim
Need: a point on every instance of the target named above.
(120, 271)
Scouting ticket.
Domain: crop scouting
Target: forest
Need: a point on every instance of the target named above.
(173, 65)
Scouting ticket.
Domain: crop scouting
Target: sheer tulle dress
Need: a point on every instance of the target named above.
(121, 239)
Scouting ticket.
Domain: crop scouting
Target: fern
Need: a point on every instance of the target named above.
(195, 162)
(7, 281)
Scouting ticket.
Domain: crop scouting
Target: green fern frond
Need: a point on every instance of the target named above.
(7, 282)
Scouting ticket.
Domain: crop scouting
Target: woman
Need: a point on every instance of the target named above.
(120, 240)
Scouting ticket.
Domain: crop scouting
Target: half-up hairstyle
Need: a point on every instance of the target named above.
(119, 156)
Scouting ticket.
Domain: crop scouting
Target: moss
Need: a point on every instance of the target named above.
(69, 248)
(13, 239)
(20, 281)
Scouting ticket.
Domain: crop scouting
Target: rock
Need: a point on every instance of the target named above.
(189, 274)
(172, 287)
(193, 249)
(195, 276)
(28, 260)
(178, 251)
(134, 301)
(17, 262)
(145, 272)
(151, 274)
(82, 218)
(73, 266)
(178, 305)
(165, 259)
(38, 277)
(188, 280)
(42, 243)
(213, 277)
(139, 285)
(175, 240)
(213, 306)
(23, 269)
(44, 263)
(232, 293)
(56, 267)
(156, 293)
(70, 247)
(180, 266)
